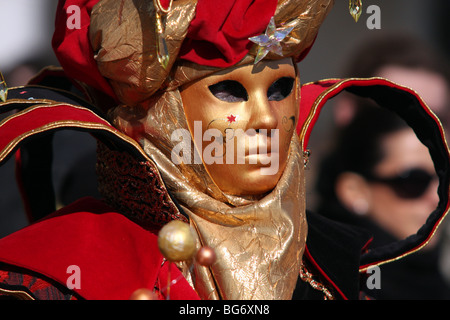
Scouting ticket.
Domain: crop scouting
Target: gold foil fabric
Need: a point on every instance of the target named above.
(123, 36)
(259, 245)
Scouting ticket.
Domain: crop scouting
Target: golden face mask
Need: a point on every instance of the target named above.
(249, 114)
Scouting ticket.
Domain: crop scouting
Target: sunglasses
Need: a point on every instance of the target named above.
(410, 184)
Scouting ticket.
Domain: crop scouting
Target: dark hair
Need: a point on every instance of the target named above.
(401, 50)
(397, 49)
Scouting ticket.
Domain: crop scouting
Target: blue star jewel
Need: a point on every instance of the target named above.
(270, 40)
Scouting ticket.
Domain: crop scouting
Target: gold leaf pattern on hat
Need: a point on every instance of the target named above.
(124, 39)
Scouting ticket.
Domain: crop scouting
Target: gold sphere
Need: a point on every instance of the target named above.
(176, 241)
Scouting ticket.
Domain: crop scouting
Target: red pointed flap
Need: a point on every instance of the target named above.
(408, 105)
(112, 255)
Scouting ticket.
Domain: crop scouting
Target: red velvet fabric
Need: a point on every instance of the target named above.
(218, 35)
(45, 117)
(115, 256)
(72, 46)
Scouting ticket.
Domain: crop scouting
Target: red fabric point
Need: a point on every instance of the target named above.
(218, 35)
(72, 46)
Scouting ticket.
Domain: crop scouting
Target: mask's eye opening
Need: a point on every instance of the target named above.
(280, 89)
(229, 91)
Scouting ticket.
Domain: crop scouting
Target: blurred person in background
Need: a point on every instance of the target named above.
(408, 61)
(405, 60)
(399, 57)
(381, 177)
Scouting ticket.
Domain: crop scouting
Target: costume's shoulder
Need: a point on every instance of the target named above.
(95, 251)
(331, 260)
(20, 284)
(34, 113)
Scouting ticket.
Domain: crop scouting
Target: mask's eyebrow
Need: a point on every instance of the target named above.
(280, 89)
(229, 91)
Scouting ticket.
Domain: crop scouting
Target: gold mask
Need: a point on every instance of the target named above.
(254, 109)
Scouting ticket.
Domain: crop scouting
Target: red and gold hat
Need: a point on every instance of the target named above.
(164, 37)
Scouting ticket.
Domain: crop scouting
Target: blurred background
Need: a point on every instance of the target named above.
(25, 48)
(340, 36)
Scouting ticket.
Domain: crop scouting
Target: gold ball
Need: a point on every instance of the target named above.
(206, 256)
(176, 241)
(144, 294)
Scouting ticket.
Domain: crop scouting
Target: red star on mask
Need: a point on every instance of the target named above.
(231, 118)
